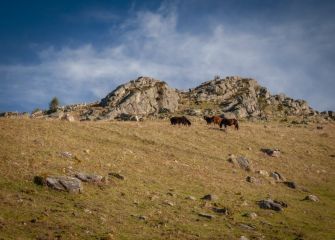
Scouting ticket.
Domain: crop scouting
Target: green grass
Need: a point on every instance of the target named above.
(158, 159)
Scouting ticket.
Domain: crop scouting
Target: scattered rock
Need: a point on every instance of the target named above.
(277, 176)
(281, 203)
(38, 180)
(191, 198)
(210, 197)
(270, 204)
(243, 238)
(242, 162)
(88, 177)
(206, 215)
(271, 152)
(224, 211)
(319, 127)
(246, 226)
(66, 154)
(169, 203)
(64, 183)
(68, 117)
(312, 198)
(263, 173)
(251, 179)
(290, 184)
(251, 215)
(116, 175)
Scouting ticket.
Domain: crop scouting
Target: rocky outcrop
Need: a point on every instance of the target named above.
(142, 97)
(244, 97)
(147, 97)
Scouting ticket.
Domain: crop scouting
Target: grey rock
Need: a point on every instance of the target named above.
(191, 198)
(244, 163)
(263, 173)
(210, 197)
(88, 177)
(251, 215)
(271, 152)
(312, 198)
(251, 179)
(224, 211)
(64, 183)
(277, 176)
(206, 215)
(144, 96)
(270, 204)
(291, 184)
(243, 238)
(116, 175)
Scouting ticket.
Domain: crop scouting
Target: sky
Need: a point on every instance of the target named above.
(79, 51)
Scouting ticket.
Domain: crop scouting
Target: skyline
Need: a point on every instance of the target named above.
(81, 51)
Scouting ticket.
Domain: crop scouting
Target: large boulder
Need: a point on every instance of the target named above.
(143, 96)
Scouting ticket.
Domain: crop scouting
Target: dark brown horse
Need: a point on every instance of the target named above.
(213, 119)
(180, 120)
(209, 120)
(229, 122)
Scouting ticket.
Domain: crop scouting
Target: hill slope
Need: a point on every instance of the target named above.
(163, 166)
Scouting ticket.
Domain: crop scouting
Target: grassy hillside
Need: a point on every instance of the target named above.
(164, 165)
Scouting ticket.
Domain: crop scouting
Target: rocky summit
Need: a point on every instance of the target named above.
(143, 96)
(147, 97)
(243, 97)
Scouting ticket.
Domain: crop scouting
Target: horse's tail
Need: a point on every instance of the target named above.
(236, 125)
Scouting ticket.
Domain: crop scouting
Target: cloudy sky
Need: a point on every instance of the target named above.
(81, 50)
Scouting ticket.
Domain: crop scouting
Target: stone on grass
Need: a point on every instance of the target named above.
(291, 184)
(88, 177)
(206, 215)
(209, 197)
(242, 162)
(224, 211)
(263, 173)
(66, 154)
(271, 152)
(270, 204)
(251, 215)
(312, 198)
(243, 238)
(277, 176)
(251, 179)
(39, 180)
(191, 198)
(116, 175)
(64, 183)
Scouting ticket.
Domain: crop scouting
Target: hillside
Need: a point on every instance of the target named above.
(166, 170)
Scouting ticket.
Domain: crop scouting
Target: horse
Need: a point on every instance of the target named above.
(208, 119)
(180, 120)
(229, 122)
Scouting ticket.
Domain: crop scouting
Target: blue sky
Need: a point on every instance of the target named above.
(81, 50)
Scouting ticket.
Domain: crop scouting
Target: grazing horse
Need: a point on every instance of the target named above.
(213, 119)
(209, 120)
(229, 122)
(217, 120)
(180, 120)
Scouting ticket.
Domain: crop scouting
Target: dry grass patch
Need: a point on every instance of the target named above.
(163, 165)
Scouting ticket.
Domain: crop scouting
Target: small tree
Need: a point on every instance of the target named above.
(53, 105)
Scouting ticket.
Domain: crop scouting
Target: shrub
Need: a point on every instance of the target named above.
(53, 105)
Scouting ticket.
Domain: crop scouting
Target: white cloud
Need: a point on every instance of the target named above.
(151, 45)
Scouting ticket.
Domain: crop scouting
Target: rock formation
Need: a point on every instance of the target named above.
(147, 97)
(144, 96)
